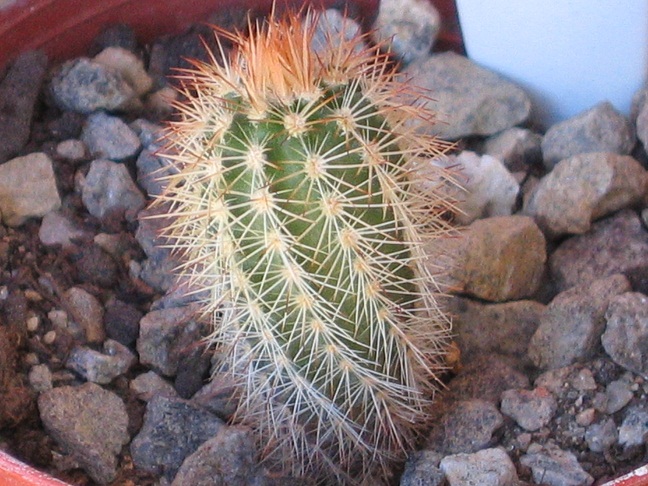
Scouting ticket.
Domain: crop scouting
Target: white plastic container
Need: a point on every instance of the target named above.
(568, 54)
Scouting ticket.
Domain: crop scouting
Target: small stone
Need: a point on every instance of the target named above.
(27, 189)
(218, 396)
(570, 330)
(626, 334)
(149, 133)
(150, 384)
(151, 169)
(619, 394)
(483, 187)
(505, 327)
(108, 137)
(586, 417)
(422, 469)
(500, 258)
(19, 90)
(634, 429)
(85, 86)
(86, 311)
(517, 148)
(40, 378)
(108, 189)
(555, 467)
(95, 266)
(101, 368)
(163, 336)
(158, 268)
(601, 436)
(58, 318)
(599, 129)
(584, 188)
(408, 28)
(332, 24)
(115, 35)
(229, 459)
(32, 323)
(173, 429)
(488, 467)
(584, 380)
(72, 149)
(121, 321)
(618, 244)
(49, 337)
(57, 229)
(470, 100)
(100, 426)
(473, 424)
(128, 65)
(531, 409)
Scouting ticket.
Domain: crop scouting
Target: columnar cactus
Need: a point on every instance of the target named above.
(296, 206)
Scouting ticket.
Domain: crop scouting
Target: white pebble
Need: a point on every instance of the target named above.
(49, 337)
(32, 323)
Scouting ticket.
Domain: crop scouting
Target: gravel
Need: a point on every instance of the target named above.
(101, 358)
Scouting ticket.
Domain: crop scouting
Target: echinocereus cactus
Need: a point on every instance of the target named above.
(296, 206)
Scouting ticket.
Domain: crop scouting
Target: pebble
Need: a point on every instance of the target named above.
(500, 258)
(72, 149)
(102, 368)
(422, 469)
(121, 321)
(585, 418)
(109, 189)
(164, 334)
(640, 109)
(86, 310)
(408, 28)
(485, 187)
(634, 428)
(555, 467)
(619, 393)
(40, 378)
(469, 100)
(150, 134)
(150, 384)
(84, 86)
(95, 266)
(601, 435)
(33, 322)
(128, 65)
(473, 424)
(531, 409)
(626, 332)
(488, 467)
(116, 35)
(503, 327)
(218, 396)
(570, 330)
(517, 148)
(57, 229)
(157, 269)
(230, 458)
(173, 429)
(108, 137)
(600, 129)
(331, 24)
(27, 188)
(100, 426)
(618, 244)
(151, 169)
(49, 337)
(583, 188)
(19, 91)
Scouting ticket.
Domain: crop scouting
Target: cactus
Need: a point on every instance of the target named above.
(298, 211)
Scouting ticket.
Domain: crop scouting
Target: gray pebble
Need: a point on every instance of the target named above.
(230, 458)
(151, 168)
(86, 310)
(157, 269)
(121, 321)
(58, 229)
(470, 100)
(218, 396)
(555, 467)
(85, 86)
(108, 189)
(599, 129)
(173, 429)
(602, 435)
(333, 25)
(40, 378)
(570, 329)
(531, 409)
(71, 149)
(108, 137)
(150, 384)
(408, 28)
(422, 469)
(626, 334)
(100, 426)
(634, 428)
(489, 467)
(101, 368)
(619, 393)
(517, 148)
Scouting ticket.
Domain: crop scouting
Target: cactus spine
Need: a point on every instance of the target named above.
(295, 204)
